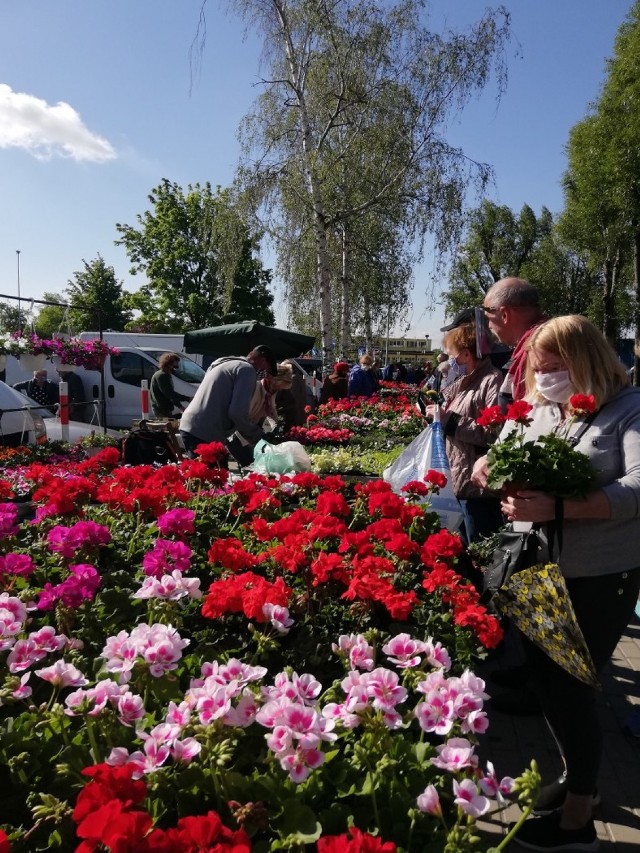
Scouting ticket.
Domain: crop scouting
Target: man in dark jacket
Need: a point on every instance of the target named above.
(221, 404)
(78, 410)
(163, 396)
(40, 389)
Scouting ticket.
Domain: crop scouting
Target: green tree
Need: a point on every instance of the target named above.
(97, 298)
(52, 319)
(351, 122)
(593, 221)
(497, 243)
(618, 109)
(199, 259)
(12, 319)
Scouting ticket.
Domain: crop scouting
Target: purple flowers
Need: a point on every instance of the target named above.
(67, 541)
(81, 585)
(8, 520)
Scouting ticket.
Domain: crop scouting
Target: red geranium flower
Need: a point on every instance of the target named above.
(582, 404)
(519, 412)
(360, 842)
(491, 416)
(435, 478)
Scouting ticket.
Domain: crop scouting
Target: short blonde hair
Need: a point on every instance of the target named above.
(284, 377)
(366, 359)
(594, 368)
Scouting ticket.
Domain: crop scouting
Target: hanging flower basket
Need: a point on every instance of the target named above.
(23, 343)
(88, 354)
(32, 361)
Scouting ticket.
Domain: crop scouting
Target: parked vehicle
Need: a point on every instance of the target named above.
(18, 425)
(53, 426)
(157, 342)
(123, 375)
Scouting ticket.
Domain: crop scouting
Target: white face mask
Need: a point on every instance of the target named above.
(366, 366)
(555, 386)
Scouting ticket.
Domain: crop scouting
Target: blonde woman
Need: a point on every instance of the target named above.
(600, 557)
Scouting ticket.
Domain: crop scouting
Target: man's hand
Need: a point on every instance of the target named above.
(480, 472)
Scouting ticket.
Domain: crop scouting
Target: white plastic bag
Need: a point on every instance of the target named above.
(427, 452)
(285, 458)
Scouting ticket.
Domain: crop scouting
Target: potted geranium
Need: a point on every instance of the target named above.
(97, 441)
(549, 463)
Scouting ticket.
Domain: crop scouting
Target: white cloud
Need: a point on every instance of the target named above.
(47, 131)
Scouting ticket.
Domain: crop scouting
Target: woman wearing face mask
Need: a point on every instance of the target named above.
(600, 556)
(475, 389)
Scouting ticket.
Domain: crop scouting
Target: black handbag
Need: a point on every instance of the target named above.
(516, 550)
(144, 446)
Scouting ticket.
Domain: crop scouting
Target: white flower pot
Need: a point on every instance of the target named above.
(57, 362)
(29, 361)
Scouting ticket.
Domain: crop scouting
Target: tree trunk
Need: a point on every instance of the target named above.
(609, 320)
(345, 317)
(636, 283)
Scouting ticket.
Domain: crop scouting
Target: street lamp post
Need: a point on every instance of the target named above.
(19, 312)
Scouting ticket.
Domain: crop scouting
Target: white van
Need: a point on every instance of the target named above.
(148, 341)
(123, 375)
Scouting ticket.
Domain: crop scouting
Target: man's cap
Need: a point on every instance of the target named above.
(267, 354)
(467, 315)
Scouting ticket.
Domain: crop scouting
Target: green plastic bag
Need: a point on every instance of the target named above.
(285, 458)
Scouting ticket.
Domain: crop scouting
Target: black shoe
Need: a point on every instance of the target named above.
(552, 797)
(518, 703)
(511, 676)
(544, 834)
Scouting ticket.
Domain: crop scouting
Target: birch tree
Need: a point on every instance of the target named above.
(352, 120)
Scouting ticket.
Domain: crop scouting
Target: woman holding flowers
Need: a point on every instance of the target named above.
(466, 439)
(571, 371)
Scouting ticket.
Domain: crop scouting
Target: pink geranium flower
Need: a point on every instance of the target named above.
(62, 674)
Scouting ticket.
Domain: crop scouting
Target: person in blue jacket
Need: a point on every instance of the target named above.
(362, 379)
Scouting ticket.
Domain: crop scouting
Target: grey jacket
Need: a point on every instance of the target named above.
(595, 546)
(221, 403)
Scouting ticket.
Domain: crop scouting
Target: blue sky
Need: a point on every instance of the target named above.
(98, 104)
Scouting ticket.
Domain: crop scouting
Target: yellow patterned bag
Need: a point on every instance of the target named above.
(536, 599)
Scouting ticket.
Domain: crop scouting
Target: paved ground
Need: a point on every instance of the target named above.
(512, 742)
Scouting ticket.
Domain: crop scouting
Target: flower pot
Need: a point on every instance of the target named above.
(29, 361)
(60, 365)
(510, 490)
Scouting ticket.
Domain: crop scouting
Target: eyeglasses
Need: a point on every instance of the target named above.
(490, 310)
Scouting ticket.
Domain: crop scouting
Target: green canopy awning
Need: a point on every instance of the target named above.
(241, 338)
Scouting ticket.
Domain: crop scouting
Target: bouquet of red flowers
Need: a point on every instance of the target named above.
(548, 464)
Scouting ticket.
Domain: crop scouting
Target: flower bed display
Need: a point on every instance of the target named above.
(192, 664)
(371, 422)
